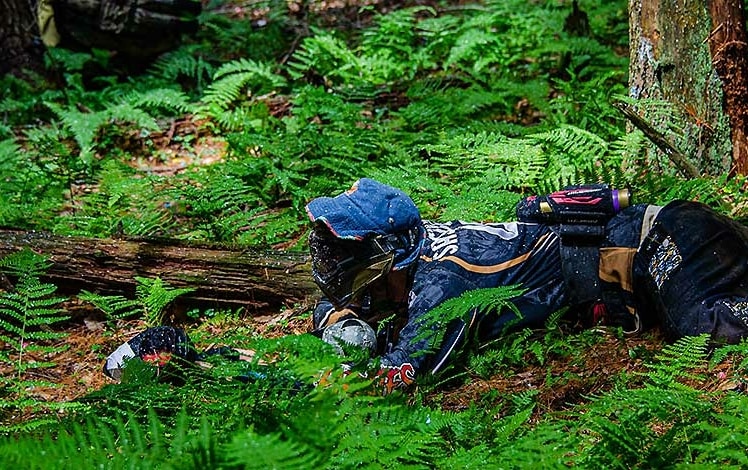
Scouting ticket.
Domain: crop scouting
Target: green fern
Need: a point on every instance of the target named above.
(84, 126)
(678, 360)
(27, 314)
(574, 156)
(113, 306)
(152, 297)
(507, 351)
(325, 55)
(181, 64)
(155, 295)
(261, 451)
(94, 442)
(232, 78)
(494, 161)
(126, 202)
(739, 351)
(628, 422)
(219, 208)
(29, 307)
(162, 98)
(724, 435)
(489, 301)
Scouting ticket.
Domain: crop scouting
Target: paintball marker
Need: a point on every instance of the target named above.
(590, 204)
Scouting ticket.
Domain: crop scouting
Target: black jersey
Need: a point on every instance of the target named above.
(459, 257)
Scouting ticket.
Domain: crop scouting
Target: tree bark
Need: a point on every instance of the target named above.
(19, 48)
(671, 64)
(222, 276)
(728, 44)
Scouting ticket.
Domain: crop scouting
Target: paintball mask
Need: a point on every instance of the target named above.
(343, 269)
(360, 236)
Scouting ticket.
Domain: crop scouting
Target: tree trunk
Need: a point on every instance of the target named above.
(728, 44)
(256, 280)
(18, 30)
(677, 88)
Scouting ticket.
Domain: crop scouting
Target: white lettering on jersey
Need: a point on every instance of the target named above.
(443, 239)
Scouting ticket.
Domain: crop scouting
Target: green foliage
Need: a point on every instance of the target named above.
(723, 434)
(274, 418)
(651, 426)
(474, 99)
(219, 100)
(152, 298)
(509, 350)
(28, 307)
(184, 64)
(467, 108)
(85, 125)
(489, 301)
(28, 311)
(676, 360)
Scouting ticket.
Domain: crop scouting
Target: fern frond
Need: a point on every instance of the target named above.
(641, 427)
(27, 313)
(454, 106)
(113, 306)
(155, 295)
(161, 98)
(678, 360)
(494, 301)
(231, 78)
(84, 126)
(726, 435)
(183, 63)
(255, 451)
(323, 54)
(25, 263)
(574, 156)
(490, 160)
(29, 307)
(723, 352)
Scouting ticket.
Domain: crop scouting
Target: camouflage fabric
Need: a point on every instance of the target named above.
(139, 28)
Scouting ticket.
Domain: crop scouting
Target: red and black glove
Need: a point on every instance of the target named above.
(158, 345)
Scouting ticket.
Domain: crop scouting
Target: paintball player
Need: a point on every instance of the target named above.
(381, 267)
(137, 29)
(682, 266)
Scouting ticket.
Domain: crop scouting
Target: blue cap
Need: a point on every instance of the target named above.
(369, 208)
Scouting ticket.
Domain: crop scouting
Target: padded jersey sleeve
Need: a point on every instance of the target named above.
(417, 343)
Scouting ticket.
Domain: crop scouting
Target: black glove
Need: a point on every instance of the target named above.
(138, 28)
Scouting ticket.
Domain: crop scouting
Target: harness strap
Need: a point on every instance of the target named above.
(580, 261)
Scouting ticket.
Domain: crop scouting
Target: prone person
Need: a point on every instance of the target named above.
(682, 266)
(381, 267)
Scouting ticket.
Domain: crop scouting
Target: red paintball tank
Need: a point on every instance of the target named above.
(592, 204)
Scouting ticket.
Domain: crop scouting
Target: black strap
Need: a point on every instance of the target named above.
(580, 261)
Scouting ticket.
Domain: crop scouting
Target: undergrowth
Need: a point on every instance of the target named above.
(28, 312)
(475, 103)
(467, 107)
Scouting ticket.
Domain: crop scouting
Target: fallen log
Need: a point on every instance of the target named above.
(221, 275)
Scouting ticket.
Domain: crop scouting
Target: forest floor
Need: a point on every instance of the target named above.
(560, 382)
